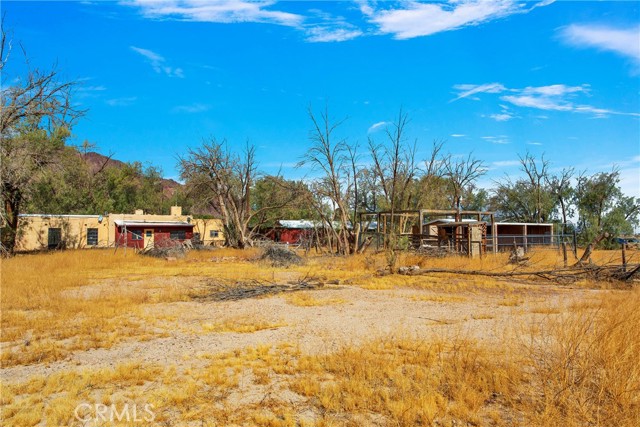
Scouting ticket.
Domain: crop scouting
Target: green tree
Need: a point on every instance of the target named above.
(35, 121)
(529, 198)
(602, 207)
(277, 192)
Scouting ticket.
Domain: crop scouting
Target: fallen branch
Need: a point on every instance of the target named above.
(255, 289)
(563, 274)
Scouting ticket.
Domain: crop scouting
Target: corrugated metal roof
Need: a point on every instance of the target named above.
(450, 220)
(133, 223)
(524, 223)
(297, 223)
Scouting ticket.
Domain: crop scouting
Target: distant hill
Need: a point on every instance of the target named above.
(96, 162)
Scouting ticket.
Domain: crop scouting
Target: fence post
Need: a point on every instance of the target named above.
(564, 253)
(575, 245)
(624, 256)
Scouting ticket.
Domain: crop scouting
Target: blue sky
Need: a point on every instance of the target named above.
(498, 78)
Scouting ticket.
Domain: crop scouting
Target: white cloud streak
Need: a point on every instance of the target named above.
(557, 97)
(377, 126)
(416, 19)
(191, 108)
(506, 163)
(158, 63)
(412, 19)
(467, 90)
(622, 41)
(121, 102)
(221, 11)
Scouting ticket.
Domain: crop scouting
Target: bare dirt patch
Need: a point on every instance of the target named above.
(488, 315)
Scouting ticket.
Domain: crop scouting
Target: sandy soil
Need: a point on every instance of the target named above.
(490, 315)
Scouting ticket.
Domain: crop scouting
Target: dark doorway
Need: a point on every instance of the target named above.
(55, 238)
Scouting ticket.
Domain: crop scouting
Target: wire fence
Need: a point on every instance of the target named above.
(507, 241)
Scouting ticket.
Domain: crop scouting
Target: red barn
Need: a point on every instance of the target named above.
(146, 234)
(290, 231)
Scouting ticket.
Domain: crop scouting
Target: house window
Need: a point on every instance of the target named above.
(136, 235)
(178, 235)
(92, 236)
(54, 238)
(213, 233)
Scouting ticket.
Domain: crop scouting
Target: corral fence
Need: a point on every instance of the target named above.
(505, 242)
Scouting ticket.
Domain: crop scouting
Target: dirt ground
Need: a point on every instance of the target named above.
(347, 315)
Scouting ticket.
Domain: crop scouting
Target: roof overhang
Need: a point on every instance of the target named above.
(147, 224)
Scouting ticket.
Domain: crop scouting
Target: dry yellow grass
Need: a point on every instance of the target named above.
(573, 367)
(438, 298)
(242, 325)
(305, 299)
(51, 303)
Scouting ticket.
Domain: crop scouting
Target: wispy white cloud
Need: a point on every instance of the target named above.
(505, 163)
(457, 135)
(321, 26)
(377, 126)
(99, 88)
(411, 19)
(415, 19)
(121, 102)
(534, 143)
(158, 63)
(502, 117)
(467, 90)
(329, 34)
(89, 91)
(557, 97)
(501, 139)
(221, 11)
(622, 41)
(191, 108)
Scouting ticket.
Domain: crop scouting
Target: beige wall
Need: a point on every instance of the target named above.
(205, 227)
(33, 229)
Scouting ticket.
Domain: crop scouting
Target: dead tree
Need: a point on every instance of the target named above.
(224, 180)
(330, 156)
(461, 173)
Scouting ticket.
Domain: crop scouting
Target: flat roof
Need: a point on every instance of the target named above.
(57, 216)
(132, 223)
(450, 220)
(524, 223)
(461, 223)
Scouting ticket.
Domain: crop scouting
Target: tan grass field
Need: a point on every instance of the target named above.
(87, 331)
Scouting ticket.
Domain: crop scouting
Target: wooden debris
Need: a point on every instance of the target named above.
(561, 275)
(255, 289)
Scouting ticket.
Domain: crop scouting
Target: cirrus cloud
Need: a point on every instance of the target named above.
(416, 19)
(622, 41)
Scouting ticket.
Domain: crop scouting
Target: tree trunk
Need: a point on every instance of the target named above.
(12, 199)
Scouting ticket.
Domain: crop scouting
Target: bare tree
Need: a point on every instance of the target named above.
(560, 187)
(537, 173)
(331, 157)
(461, 173)
(224, 179)
(395, 163)
(395, 167)
(35, 120)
